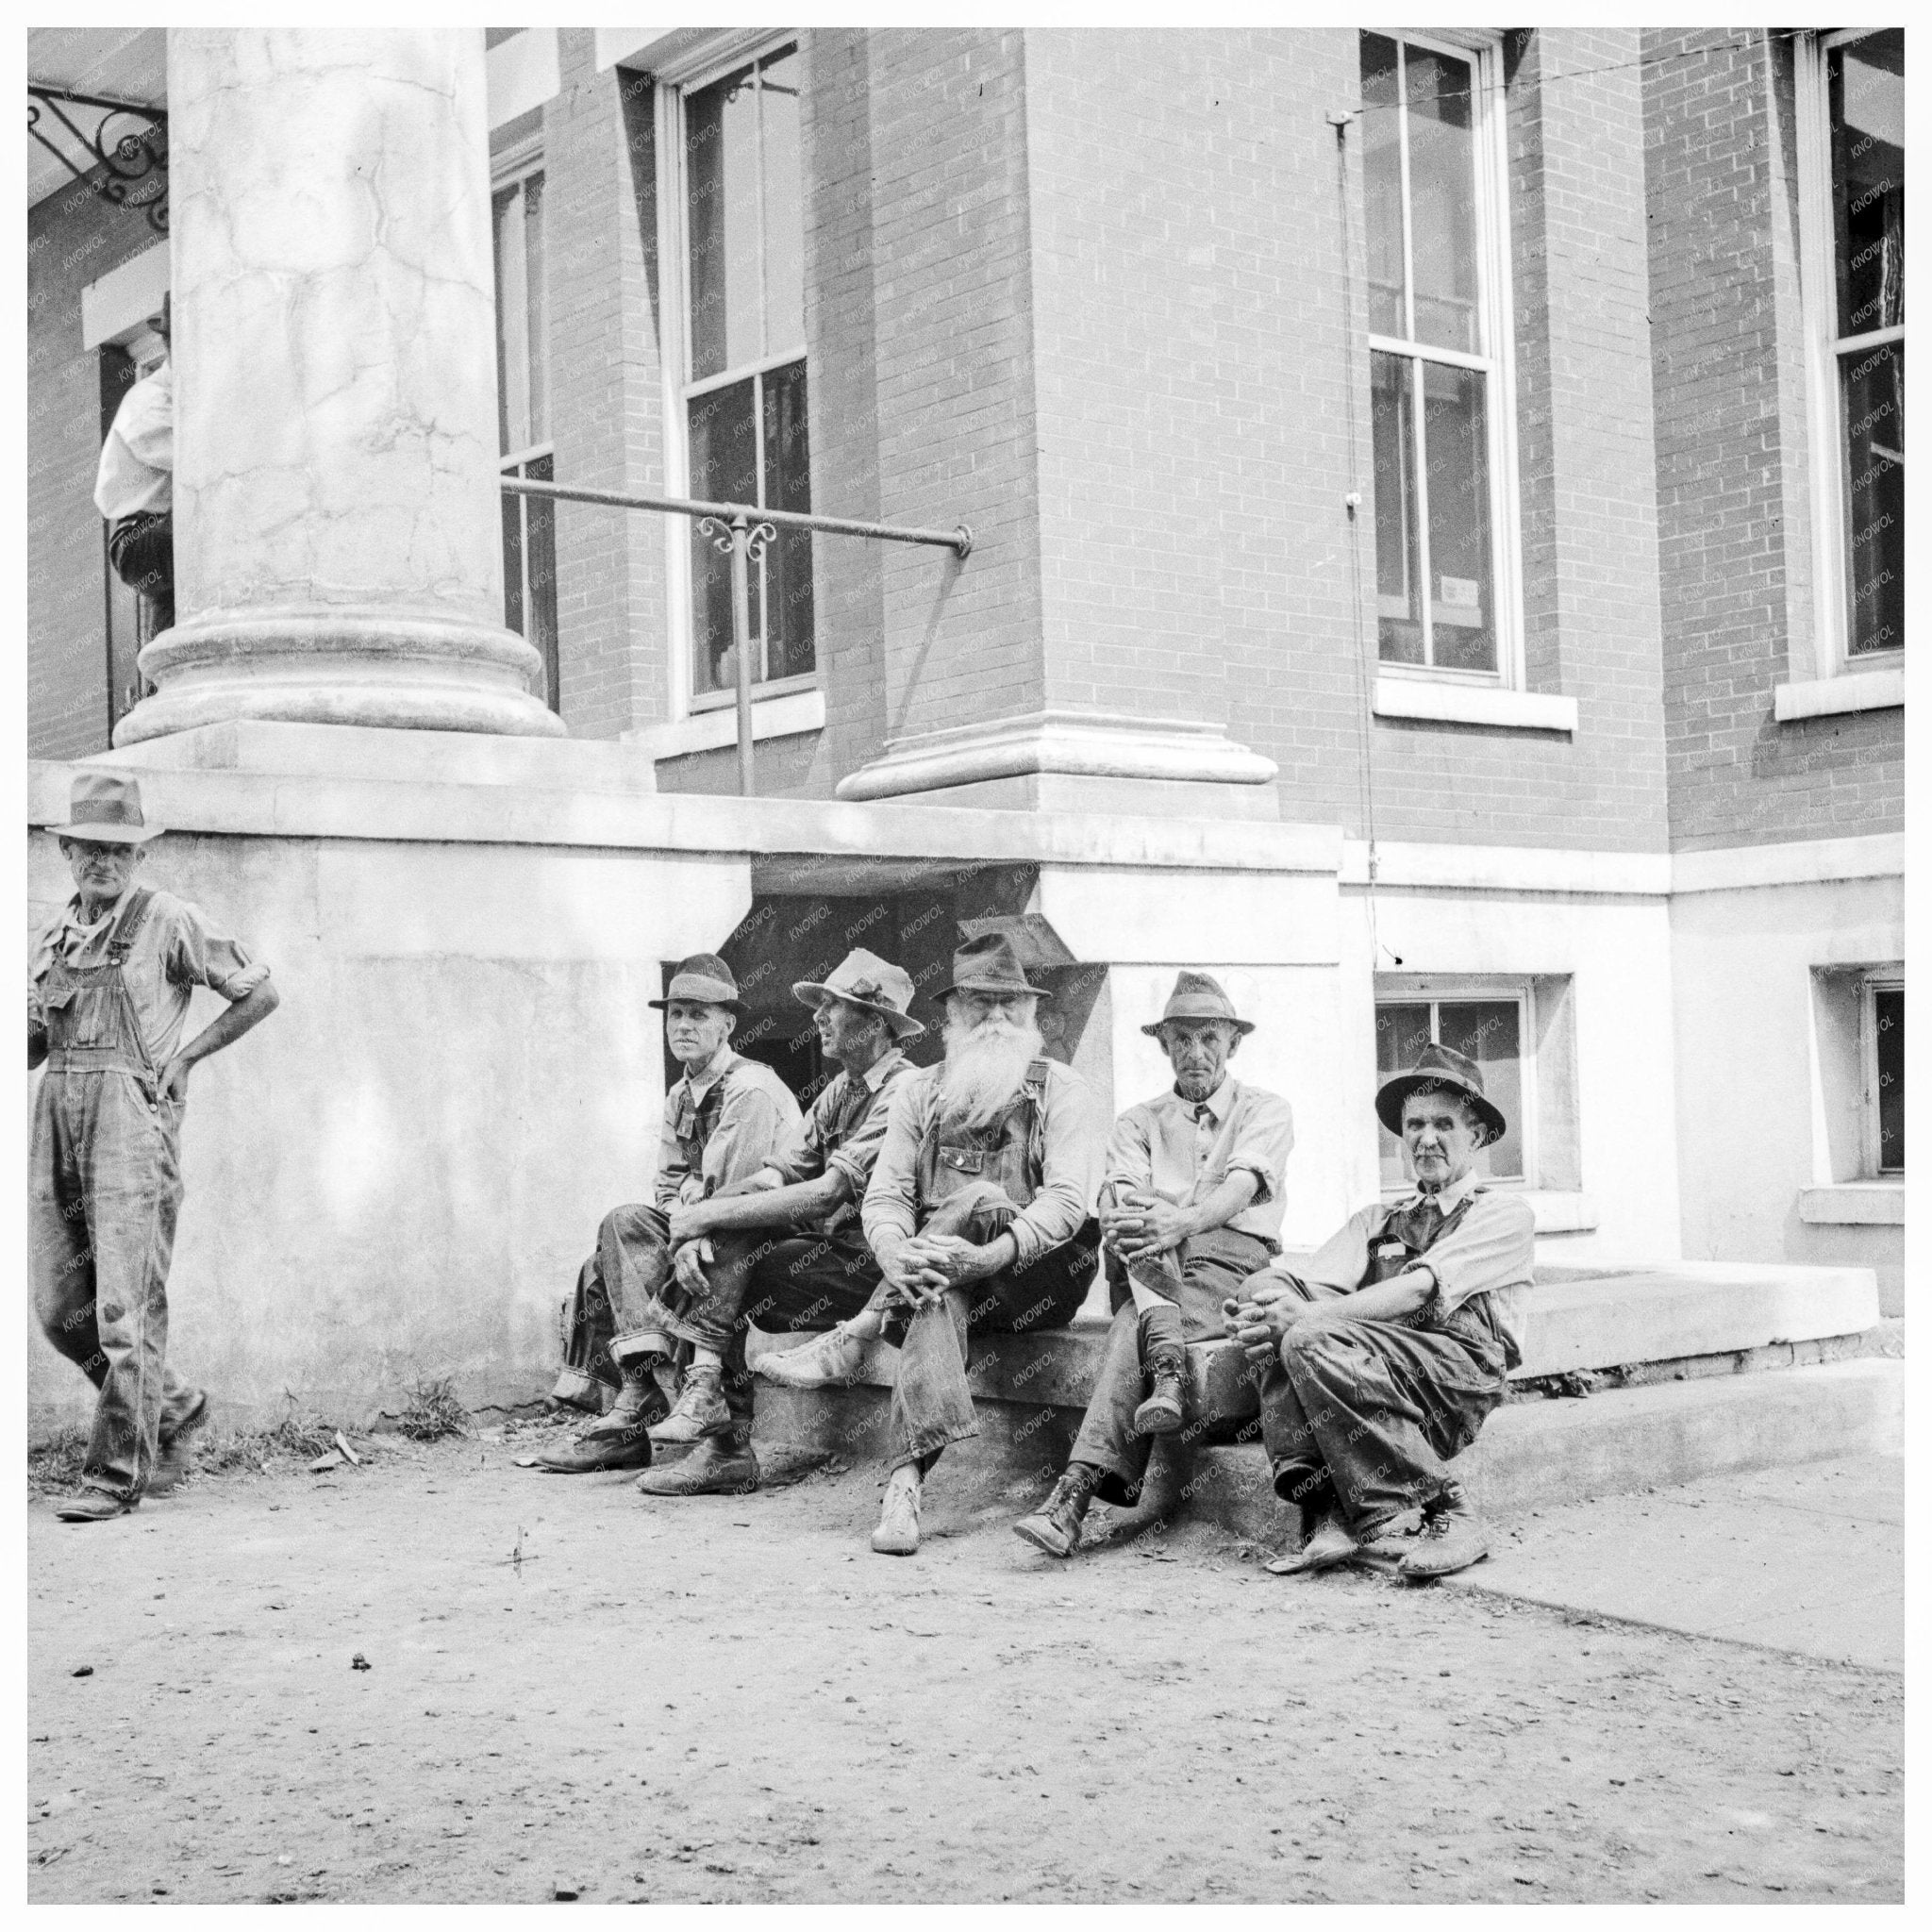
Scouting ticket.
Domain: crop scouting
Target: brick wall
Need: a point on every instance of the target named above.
(73, 238)
(1732, 463)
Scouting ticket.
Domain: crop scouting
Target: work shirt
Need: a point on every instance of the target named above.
(735, 1116)
(1490, 1251)
(177, 949)
(1182, 1150)
(1062, 1202)
(844, 1131)
(137, 469)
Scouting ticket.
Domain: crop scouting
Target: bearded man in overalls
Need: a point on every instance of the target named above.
(109, 986)
(1387, 1351)
(979, 1212)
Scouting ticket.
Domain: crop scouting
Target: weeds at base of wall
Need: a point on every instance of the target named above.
(54, 1464)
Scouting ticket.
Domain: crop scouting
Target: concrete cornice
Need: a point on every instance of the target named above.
(1508, 869)
(1803, 862)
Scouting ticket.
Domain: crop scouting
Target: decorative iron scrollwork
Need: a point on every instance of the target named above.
(130, 158)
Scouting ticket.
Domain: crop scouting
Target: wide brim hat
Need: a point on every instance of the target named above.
(863, 979)
(703, 976)
(1198, 996)
(1437, 1068)
(990, 964)
(105, 807)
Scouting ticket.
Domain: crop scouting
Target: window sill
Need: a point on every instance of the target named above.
(776, 717)
(1826, 697)
(1474, 704)
(1854, 1204)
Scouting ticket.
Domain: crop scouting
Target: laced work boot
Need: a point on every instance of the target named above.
(830, 1360)
(1451, 1539)
(700, 1410)
(1164, 1356)
(618, 1440)
(1054, 1526)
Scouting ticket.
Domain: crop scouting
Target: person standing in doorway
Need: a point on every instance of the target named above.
(134, 488)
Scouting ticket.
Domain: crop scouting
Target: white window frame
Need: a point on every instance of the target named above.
(1495, 308)
(1432, 991)
(1879, 980)
(516, 163)
(1831, 656)
(697, 67)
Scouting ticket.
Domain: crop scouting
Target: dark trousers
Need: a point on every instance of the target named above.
(932, 1404)
(141, 549)
(104, 1190)
(627, 1304)
(1372, 1411)
(1214, 1266)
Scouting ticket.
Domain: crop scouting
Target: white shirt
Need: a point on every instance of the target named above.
(137, 469)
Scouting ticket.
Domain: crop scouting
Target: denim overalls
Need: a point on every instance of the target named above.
(105, 1187)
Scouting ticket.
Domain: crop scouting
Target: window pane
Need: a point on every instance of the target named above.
(1874, 389)
(787, 560)
(512, 321)
(1868, 179)
(1400, 1033)
(540, 526)
(1382, 185)
(721, 217)
(1888, 1016)
(1456, 440)
(724, 468)
(1441, 186)
(1397, 566)
(778, 78)
(513, 558)
(1489, 1033)
(537, 326)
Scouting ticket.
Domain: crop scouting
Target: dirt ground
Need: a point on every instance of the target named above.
(733, 1699)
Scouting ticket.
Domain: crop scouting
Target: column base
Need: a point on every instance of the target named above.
(407, 671)
(1075, 760)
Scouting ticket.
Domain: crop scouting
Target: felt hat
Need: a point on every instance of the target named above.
(863, 979)
(990, 964)
(106, 807)
(1198, 996)
(703, 976)
(1438, 1069)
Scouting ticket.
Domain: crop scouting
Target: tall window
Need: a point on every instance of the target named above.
(522, 412)
(1437, 325)
(744, 387)
(1884, 1029)
(1492, 1032)
(1853, 113)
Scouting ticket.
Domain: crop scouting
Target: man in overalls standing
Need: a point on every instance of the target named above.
(109, 987)
(980, 1210)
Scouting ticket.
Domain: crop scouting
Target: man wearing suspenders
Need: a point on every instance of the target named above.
(1387, 1351)
(109, 986)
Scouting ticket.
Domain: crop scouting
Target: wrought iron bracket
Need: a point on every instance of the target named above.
(117, 164)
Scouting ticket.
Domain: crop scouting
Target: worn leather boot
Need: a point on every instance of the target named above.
(618, 1440)
(1164, 1356)
(1453, 1537)
(1054, 1526)
(1325, 1542)
(897, 1534)
(699, 1411)
(717, 1467)
(830, 1360)
(91, 1505)
(178, 1448)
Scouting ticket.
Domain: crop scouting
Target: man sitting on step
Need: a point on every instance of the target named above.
(724, 1120)
(788, 1251)
(978, 1214)
(1387, 1351)
(1189, 1207)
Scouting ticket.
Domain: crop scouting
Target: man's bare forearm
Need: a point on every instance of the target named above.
(787, 1207)
(227, 1027)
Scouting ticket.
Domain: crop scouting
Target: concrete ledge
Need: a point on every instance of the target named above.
(1826, 697)
(1854, 1204)
(1444, 703)
(1800, 862)
(787, 715)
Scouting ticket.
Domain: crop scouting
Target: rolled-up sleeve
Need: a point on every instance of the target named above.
(1129, 1161)
(891, 1195)
(1263, 1139)
(754, 1123)
(858, 1154)
(1493, 1246)
(195, 953)
(801, 1155)
(1071, 1166)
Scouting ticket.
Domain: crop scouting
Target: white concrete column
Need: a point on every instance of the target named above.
(336, 525)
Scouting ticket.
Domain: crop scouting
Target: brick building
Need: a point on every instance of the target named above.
(1481, 450)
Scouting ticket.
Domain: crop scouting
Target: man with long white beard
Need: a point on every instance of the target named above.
(979, 1213)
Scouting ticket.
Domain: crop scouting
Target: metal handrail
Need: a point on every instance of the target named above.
(744, 529)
